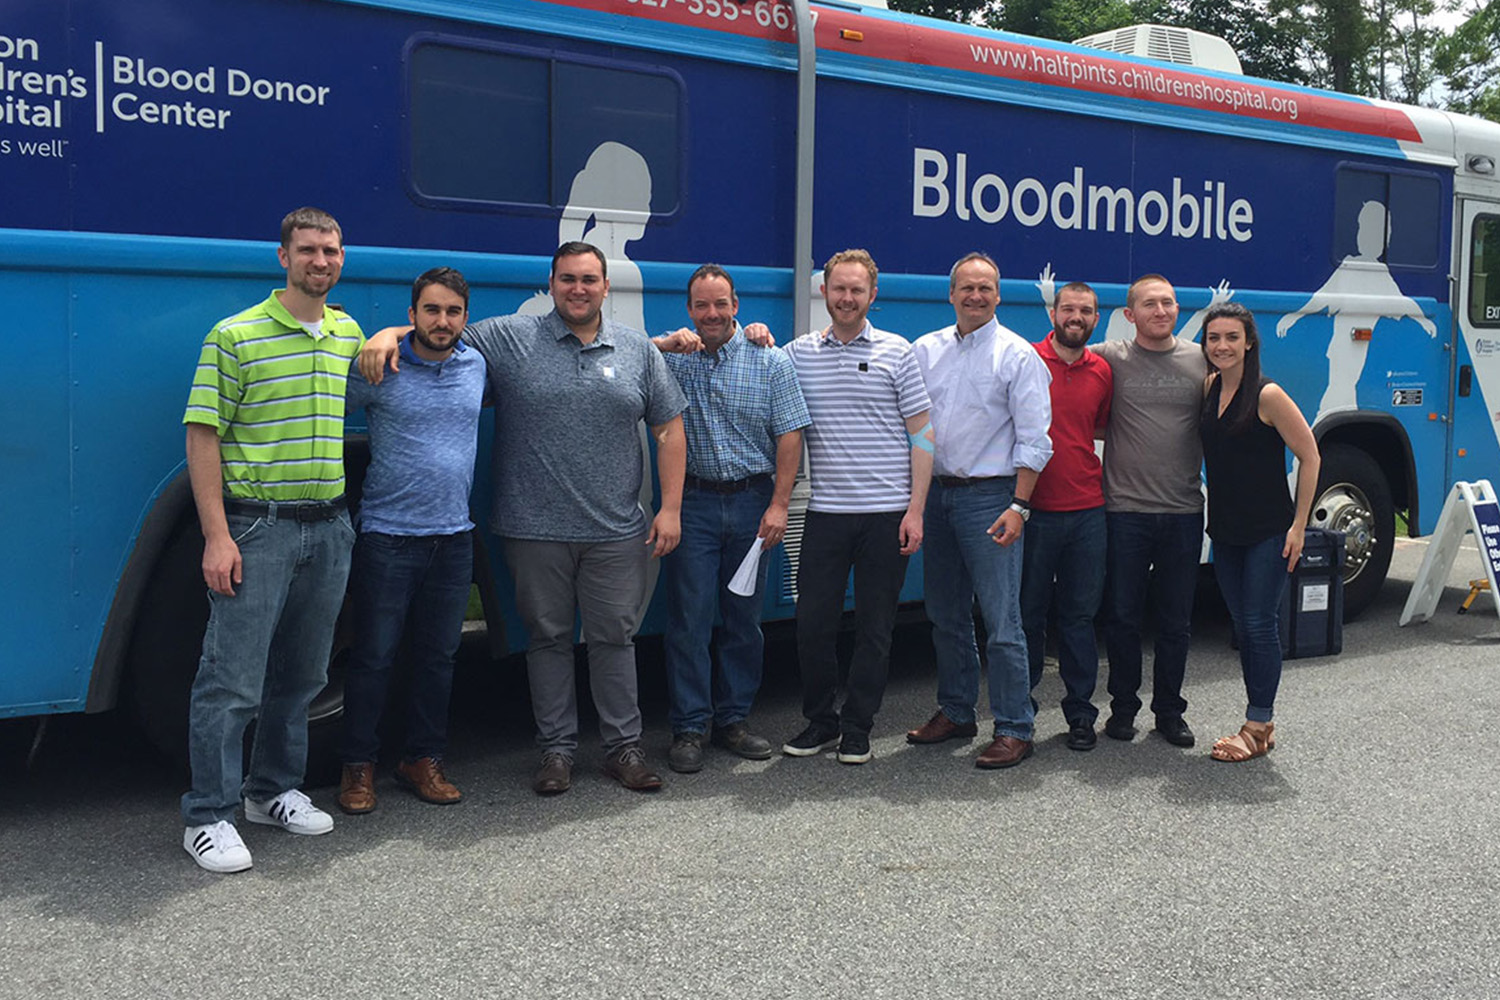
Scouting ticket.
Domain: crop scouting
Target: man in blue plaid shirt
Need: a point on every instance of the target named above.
(744, 425)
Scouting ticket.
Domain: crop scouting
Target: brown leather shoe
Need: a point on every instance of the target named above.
(1006, 751)
(357, 789)
(940, 728)
(424, 776)
(627, 765)
(555, 775)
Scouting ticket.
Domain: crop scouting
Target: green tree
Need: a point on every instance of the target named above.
(960, 11)
(1404, 56)
(1337, 47)
(1266, 34)
(1065, 20)
(1468, 63)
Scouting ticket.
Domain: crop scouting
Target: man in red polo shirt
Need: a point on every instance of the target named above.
(1065, 538)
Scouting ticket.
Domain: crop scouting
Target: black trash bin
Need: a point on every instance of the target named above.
(1312, 609)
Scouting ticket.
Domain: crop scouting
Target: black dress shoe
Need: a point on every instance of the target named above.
(1081, 736)
(1174, 729)
(1117, 728)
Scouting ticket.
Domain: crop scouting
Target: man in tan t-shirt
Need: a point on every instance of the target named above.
(1154, 507)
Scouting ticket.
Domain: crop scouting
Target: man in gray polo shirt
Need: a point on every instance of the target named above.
(570, 390)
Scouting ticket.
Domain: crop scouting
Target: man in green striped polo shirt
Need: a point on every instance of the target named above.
(265, 454)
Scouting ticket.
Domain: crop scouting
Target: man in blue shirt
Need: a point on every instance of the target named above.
(413, 561)
(743, 421)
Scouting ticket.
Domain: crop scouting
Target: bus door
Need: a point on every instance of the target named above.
(1475, 446)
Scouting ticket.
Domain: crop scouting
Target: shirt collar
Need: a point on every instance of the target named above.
(864, 334)
(408, 354)
(280, 314)
(561, 330)
(979, 333)
(1048, 350)
(731, 347)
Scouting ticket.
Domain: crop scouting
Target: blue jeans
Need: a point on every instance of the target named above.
(417, 585)
(717, 530)
(1155, 553)
(832, 544)
(1252, 579)
(265, 657)
(1065, 558)
(961, 562)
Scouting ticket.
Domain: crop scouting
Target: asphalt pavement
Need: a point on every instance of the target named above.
(1357, 860)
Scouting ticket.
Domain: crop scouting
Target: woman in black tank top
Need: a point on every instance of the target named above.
(1248, 423)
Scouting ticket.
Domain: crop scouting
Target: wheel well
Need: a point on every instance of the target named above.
(173, 506)
(1382, 437)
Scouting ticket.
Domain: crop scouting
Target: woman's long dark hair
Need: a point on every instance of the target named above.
(1243, 409)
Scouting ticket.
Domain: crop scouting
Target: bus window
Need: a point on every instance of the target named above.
(1484, 272)
(528, 122)
(479, 126)
(1416, 216)
(1414, 213)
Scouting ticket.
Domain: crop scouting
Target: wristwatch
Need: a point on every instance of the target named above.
(1022, 507)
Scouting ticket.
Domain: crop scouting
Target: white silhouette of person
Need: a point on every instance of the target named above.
(609, 205)
(1358, 294)
(817, 311)
(1118, 327)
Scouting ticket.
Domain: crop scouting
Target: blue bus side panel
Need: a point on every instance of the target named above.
(345, 150)
(133, 311)
(37, 547)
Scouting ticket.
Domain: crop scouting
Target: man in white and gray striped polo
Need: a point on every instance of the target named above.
(870, 459)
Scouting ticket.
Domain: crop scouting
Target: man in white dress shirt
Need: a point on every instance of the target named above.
(991, 408)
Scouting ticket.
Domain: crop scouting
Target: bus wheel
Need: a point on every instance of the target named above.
(165, 647)
(1353, 497)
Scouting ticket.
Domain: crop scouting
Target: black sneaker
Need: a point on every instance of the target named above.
(810, 742)
(854, 748)
(686, 755)
(1120, 728)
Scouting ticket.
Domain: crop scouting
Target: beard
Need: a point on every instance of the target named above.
(1073, 336)
(428, 340)
(314, 286)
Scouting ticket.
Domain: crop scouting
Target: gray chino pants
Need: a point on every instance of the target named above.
(604, 582)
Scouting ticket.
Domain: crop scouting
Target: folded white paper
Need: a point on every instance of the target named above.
(743, 583)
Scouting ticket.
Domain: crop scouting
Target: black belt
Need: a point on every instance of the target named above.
(961, 481)
(725, 485)
(297, 510)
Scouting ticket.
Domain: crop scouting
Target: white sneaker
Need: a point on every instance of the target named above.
(292, 811)
(217, 847)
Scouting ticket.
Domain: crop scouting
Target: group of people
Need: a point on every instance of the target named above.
(969, 443)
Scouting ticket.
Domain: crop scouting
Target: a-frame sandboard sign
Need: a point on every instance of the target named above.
(1470, 507)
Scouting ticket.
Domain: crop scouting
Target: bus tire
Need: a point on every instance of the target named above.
(1354, 497)
(167, 642)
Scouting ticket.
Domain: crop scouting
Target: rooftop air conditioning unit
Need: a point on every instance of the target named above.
(1168, 44)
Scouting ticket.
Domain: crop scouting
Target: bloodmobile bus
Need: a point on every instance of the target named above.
(148, 150)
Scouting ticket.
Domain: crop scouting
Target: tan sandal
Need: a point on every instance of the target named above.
(1255, 739)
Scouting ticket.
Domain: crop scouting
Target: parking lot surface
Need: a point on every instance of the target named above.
(1357, 860)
